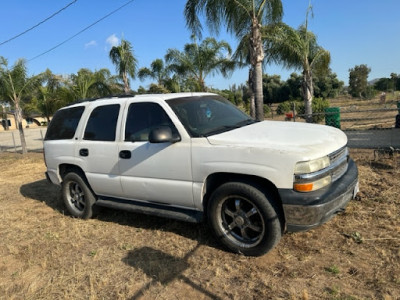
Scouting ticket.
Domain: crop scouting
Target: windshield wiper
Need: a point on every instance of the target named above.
(220, 130)
(247, 122)
(229, 127)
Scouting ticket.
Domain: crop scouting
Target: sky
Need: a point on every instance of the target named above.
(354, 31)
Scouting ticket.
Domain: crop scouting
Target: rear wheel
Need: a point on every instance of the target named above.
(244, 218)
(77, 196)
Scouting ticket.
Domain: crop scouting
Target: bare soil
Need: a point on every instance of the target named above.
(45, 254)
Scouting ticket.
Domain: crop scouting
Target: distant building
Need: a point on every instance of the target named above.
(27, 122)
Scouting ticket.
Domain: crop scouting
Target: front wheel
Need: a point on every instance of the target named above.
(77, 196)
(244, 219)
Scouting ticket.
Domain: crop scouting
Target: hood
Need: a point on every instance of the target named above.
(309, 140)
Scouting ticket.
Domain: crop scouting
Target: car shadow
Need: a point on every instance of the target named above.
(45, 192)
(167, 269)
(50, 194)
(199, 232)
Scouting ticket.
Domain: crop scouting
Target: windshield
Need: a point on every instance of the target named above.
(208, 115)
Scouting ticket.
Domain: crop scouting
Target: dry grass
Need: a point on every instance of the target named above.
(45, 254)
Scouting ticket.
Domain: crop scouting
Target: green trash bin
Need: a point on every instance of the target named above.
(332, 116)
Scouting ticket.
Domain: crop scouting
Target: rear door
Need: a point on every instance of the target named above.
(154, 172)
(97, 149)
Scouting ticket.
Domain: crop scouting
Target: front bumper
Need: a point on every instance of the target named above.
(304, 211)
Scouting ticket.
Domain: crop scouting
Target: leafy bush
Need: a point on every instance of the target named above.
(318, 108)
(267, 109)
(284, 107)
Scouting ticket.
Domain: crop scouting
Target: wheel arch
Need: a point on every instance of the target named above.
(64, 169)
(215, 180)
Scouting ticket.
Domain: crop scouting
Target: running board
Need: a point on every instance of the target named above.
(165, 211)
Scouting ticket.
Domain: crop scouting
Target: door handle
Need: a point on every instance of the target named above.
(84, 152)
(125, 154)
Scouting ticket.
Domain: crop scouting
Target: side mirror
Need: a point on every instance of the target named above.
(163, 135)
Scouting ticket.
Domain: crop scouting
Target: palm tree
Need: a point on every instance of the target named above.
(242, 18)
(198, 61)
(48, 97)
(125, 62)
(88, 84)
(161, 73)
(299, 49)
(15, 85)
(157, 71)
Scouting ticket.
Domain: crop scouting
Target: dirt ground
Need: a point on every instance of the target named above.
(45, 254)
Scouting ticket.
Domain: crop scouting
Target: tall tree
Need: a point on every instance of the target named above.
(272, 88)
(87, 84)
(199, 61)
(15, 85)
(358, 81)
(125, 62)
(242, 18)
(157, 71)
(327, 85)
(299, 49)
(47, 97)
(160, 72)
(294, 84)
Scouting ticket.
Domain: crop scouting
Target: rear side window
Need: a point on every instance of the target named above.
(64, 124)
(102, 123)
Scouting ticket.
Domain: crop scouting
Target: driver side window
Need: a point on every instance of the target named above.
(144, 117)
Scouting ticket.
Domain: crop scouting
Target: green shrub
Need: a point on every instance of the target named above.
(267, 110)
(318, 108)
(284, 107)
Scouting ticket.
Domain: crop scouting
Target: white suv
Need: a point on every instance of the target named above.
(195, 156)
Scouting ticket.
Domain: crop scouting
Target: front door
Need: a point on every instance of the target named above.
(159, 173)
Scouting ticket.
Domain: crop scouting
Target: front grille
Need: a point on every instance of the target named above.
(339, 163)
(338, 167)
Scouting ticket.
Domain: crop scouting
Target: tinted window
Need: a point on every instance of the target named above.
(142, 118)
(64, 123)
(102, 123)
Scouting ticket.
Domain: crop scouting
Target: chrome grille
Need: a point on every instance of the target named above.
(339, 163)
(338, 166)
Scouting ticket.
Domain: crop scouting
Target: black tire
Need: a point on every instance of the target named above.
(397, 121)
(244, 219)
(78, 197)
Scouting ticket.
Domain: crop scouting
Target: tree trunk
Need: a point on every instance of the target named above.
(258, 93)
(251, 94)
(18, 118)
(308, 92)
(126, 84)
(256, 59)
(202, 85)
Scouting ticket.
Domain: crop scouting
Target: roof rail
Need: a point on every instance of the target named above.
(110, 97)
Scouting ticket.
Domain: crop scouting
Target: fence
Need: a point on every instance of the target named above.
(361, 116)
(10, 140)
(367, 124)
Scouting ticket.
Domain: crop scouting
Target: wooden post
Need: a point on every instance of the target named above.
(15, 147)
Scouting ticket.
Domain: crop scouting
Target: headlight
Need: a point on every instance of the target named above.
(311, 166)
(312, 175)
